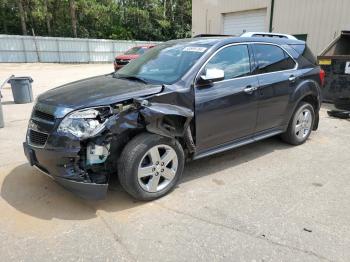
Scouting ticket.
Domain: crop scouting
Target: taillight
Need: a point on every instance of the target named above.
(322, 76)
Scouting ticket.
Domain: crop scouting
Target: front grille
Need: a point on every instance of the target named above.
(43, 115)
(42, 121)
(37, 138)
(46, 127)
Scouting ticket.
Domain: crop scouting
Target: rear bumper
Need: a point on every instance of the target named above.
(57, 164)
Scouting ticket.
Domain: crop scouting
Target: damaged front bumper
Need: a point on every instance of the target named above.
(58, 165)
(84, 165)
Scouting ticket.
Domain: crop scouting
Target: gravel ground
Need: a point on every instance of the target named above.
(263, 202)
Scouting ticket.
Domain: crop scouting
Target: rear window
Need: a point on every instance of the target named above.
(305, 52)
(272, 58)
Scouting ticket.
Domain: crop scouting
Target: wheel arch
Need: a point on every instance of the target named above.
(308, 91)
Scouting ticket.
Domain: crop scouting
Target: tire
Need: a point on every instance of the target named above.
(146, 179)
(342, 104)
(301, 122)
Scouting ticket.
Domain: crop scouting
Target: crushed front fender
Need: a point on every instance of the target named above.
(166, 119)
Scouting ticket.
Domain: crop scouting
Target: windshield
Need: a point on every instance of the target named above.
(165, 63)
(135, 51)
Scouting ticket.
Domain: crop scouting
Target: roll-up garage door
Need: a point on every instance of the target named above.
(247, 21)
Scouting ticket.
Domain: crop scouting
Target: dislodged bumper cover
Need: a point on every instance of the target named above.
(86, 190)
(90, 191)
(61, 156)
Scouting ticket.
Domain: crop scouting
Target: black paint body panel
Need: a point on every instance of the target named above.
(220, 115)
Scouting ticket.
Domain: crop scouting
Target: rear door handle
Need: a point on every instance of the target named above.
(250, 89)
(292, 78)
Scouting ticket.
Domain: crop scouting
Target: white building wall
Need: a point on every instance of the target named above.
(207, 15)
(321, 20)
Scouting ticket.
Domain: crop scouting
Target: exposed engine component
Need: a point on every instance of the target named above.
(96, 154)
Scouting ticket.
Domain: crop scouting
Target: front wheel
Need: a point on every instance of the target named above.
(150, 166)
(300, 126)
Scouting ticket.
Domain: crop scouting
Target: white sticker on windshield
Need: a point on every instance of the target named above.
(195, 49)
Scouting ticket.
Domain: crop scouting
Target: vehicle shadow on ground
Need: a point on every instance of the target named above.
(229, 159)
(35, 194)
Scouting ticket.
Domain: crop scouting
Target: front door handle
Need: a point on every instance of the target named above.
(292, 78)
(250, 89)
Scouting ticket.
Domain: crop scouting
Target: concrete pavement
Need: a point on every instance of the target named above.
(267, 201)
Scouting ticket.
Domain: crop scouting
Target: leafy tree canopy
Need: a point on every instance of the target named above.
(155, 20)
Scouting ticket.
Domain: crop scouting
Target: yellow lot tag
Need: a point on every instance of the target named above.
(325, 61)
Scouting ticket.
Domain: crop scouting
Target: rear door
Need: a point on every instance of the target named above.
(277, 75)
(226, 110)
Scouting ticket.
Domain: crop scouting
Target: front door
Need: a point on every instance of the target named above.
(226, 110)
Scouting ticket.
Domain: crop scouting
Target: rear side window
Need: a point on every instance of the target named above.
(271, 58)
(305, 52)
(234, 60)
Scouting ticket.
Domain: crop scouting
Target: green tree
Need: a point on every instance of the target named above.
(110, 19)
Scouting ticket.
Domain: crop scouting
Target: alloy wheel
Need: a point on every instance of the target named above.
(157, 168)
(303, 124)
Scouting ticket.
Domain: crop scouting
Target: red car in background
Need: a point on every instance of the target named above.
(132, 53)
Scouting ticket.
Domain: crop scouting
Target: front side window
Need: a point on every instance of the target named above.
(271, 58)
(233, 60)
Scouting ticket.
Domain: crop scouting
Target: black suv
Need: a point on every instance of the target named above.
(182, 100)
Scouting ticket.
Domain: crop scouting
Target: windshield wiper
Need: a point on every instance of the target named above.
(135, 78)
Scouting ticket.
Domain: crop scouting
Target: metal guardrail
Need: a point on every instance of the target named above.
(31, 49)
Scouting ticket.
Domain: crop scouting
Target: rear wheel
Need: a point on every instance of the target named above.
(300, 126)
(150, 166)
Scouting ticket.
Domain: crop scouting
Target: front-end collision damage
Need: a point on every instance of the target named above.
(167, 120)
(158, 118)
(96, 159)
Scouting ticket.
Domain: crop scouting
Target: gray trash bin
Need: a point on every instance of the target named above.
(22, 89)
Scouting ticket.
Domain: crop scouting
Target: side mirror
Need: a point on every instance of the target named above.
(212, 75)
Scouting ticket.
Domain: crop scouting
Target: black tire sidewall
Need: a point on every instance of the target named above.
(131, 158)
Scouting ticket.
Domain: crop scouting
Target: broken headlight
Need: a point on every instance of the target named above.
(84, 123)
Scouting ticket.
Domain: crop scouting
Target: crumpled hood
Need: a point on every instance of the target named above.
(96, 91)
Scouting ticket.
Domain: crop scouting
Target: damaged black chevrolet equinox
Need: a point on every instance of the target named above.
(182, 100)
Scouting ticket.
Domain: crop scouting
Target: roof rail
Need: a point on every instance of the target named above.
(211, 35)
(267, 34)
